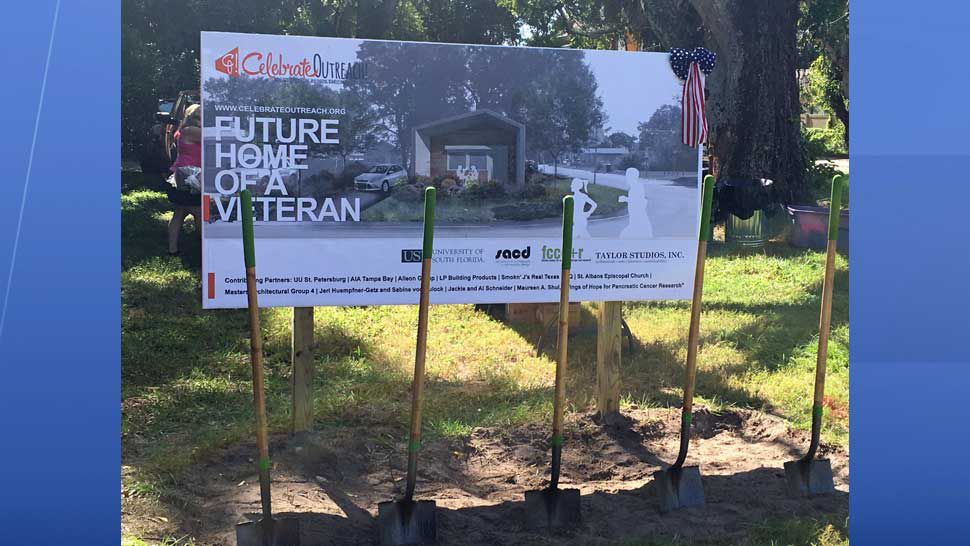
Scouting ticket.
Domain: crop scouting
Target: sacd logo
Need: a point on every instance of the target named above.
(513, 254)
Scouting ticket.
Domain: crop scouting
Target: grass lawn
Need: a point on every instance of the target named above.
(185, 372)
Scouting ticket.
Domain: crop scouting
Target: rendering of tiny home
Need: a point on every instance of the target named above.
(490, 142)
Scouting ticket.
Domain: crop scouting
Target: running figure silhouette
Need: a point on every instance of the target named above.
(580, 213)
(639, 226)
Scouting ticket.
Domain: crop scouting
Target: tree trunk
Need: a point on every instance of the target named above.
(752, 105)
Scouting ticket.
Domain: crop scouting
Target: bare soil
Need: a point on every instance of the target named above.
(333, 480)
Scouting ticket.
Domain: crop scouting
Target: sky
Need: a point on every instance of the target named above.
(632, 85)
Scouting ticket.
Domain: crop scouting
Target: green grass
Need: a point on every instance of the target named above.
(185, 372)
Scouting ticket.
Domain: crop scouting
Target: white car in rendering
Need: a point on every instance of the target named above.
(381, 177)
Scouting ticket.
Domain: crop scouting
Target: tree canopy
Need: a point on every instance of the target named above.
(753, 96)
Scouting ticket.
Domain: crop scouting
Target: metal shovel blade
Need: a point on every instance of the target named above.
(552, 508)
(407, 522)
(284, 532)
(805, 478)
(679, 488)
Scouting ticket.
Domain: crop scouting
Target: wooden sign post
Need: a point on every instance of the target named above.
(608, 343)
(302, 359)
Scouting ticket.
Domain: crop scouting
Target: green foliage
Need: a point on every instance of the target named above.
(489, 189)
(410, 193)
(825, 143)
(660, 136)
(533, 190)
(635, 160)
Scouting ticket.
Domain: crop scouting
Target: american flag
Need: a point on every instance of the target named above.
(693, 118)
(691, 65)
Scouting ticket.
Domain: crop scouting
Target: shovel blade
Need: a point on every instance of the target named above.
(679, 488)
(285, 532)
(552, 508)
(407, 522)
(805, 478)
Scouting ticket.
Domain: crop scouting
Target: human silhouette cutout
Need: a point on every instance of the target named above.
(639, 226)
(580, 213)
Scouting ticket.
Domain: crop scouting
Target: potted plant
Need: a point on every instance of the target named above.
(810, 223)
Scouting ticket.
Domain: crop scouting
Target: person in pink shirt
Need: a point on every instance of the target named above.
(189, 141)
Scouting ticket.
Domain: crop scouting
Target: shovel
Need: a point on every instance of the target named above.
(407, 521)
(680, 486)
(554, 507)
(808, 475)
(267, 531)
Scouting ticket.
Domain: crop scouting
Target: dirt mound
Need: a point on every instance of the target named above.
(334, 480)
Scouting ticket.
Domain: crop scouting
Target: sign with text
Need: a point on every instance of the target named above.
(337, 138)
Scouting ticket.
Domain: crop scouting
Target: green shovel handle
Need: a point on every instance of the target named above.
(706, 207)
(835, 206)
(429, 200)
(246, 202)
(567, 232)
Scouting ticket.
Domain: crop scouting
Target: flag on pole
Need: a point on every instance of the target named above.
(692, 110)
(691, 65)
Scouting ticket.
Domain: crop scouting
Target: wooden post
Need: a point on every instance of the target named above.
(608, 337)
(302, 355)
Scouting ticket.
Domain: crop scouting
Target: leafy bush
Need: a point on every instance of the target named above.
(410, 193)
(423, 181)
(527, 211)
(821, 143)
(485, 190)
(538, 178)
(533, 191)
(635, 160)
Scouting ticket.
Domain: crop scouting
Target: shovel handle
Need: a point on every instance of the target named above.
(825, 316)
(690, 370)
(559, 402)
(417, 385)
(256, 352)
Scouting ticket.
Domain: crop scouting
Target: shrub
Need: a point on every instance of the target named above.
(527, 211)
(635, 160)
(821, 143)
(410, 193)
(538, 178)
(485, 190)
(533, 191)
(423, 181)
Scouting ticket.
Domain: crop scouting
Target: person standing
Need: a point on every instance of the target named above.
(189, 145)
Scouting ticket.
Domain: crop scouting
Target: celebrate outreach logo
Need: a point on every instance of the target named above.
(273, 66)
